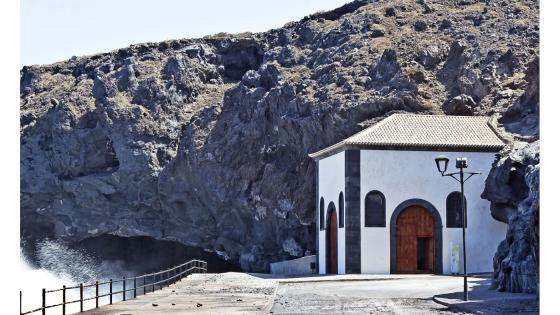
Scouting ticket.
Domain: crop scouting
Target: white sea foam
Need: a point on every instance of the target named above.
(60, 265)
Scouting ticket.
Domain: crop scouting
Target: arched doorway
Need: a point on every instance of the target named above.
(416, 244)
(332, 244)
(415, 241)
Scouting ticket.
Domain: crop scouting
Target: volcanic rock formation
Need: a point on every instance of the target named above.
(205, 141)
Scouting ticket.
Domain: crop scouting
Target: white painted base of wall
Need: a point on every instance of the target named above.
(298, 266)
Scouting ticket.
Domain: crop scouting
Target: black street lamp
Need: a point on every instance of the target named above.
(461, 163)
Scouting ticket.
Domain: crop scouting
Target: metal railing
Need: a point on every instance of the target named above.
(152, 281)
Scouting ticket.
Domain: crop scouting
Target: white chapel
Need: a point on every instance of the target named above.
(383, 207)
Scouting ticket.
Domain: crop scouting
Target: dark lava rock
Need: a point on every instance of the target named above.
(513, 189)
(390, 11)
(377, 32)
(522, 118)
(432, 55)
(445, 23)
(420, 25)
(462, 105)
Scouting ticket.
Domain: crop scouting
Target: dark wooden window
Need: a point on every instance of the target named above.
(322, 214)
(341, 209)
(375, 209)
(454, 211)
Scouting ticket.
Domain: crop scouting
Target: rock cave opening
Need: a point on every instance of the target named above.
(144, 254)
(239, 59)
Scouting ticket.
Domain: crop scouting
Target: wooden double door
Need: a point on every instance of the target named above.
(415, 241)
(332, 243)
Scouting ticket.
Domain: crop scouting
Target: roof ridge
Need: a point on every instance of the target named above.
(437, 115)
(375, 125)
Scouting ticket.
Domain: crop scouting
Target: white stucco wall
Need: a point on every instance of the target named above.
(403, 175)
(331, 183)
(298, 266)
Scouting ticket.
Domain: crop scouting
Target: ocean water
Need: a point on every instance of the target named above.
(60, 265)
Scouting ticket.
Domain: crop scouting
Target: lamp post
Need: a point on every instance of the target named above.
(461, 163)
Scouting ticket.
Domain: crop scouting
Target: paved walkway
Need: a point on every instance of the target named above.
(364, 294)
(483, 300)
(226, 293)
(239, 293)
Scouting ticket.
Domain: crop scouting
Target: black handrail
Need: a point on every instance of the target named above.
(173, 275)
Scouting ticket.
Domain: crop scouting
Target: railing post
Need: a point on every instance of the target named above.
(144, 285)
(110, 291)
(44, 297)
(123, 289)
(20, 302)
(168, 278)
(81, 297)
(96, 294)
(153, 282)
(63, 300)
(134, 287)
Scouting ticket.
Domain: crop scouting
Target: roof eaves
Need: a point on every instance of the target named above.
(328, 151)
(426, 147)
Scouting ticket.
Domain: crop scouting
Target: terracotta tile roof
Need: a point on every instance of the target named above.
(423, 132)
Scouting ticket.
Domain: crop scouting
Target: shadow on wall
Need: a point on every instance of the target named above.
(143, 254)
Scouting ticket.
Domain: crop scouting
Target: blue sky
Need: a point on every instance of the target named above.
(55, 30)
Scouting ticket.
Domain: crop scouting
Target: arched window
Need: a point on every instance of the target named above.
(340, 210)
(322, 214)
(375, 209)
(454, 211)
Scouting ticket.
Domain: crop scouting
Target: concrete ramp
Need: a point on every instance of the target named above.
(225, 293)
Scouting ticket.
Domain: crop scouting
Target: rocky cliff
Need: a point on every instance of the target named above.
(513, 189)
(205, 141)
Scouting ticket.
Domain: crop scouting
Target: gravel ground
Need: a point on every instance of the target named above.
(317, 304)
(400, 295)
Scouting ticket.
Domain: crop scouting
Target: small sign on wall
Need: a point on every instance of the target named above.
(454, 258)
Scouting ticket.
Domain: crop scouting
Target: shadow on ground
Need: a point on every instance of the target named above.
(485, 300)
